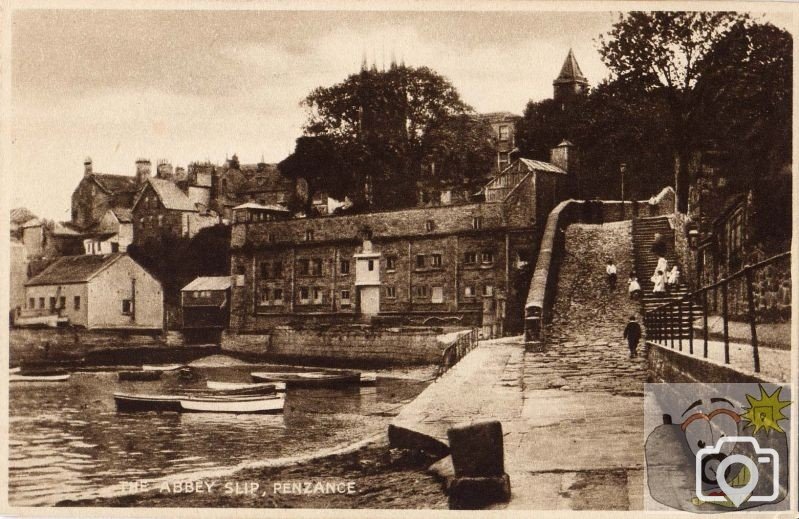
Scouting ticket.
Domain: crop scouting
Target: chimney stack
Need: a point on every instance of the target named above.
(87, 166)
(565, 156)
(164, 170)
(143, 167)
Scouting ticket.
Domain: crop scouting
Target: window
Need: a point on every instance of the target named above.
(271, 237)
(429, 225)
(504, 133)
(391, 292)
(318, 296)
(477, 222)
(62, 302)
(370, 265)
(438, 295)
(52, 303)
(304, 266)
(469, 258)
(316, 263)
(420, 291)
(391, 263)
(114, 247)
(344, 266)
(127, 306)
(487, 257)
(277, 269)
(345, 298)
(76, 303)
(309, 235)
(141, 221)
(41, 303)
(264, 269)
(420, 261)
(435, 260)
(195, 294)
(468, 291)
(488, 290)
(277, 296)
(264, 299)
(304, 295)
(205, 293)
(160, 220)
(31, 303)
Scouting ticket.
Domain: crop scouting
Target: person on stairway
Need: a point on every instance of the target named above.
(610, 271)
(659, 281)
(633, 287)
(673, 279)
(659, 245)
(632, 332)
(662, 265)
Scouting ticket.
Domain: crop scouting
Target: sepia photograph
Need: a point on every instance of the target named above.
(504, 256)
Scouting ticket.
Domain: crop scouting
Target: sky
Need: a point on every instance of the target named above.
(116, 85)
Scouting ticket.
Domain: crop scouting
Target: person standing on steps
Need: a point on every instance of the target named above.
(610, 270)
(662, 266)
(659, 245)
(632, 332)
(659, 284)
(673, 279)
(633, 288)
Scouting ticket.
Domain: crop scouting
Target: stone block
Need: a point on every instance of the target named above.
(474, 493)
(405, 438)
(477, 449)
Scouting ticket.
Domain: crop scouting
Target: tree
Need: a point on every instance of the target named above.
(459, 151)
(318, 161)
(665, 52)
(383, 123)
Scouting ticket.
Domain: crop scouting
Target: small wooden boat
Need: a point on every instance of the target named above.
(161, 367)
(254, 404)
(279, 387)
(310, 378)
(132, 402)
(23, 377)
(139, 375)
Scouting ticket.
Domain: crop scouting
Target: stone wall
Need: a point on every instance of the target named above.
(75, 344)
(666, 365)
(343, 345)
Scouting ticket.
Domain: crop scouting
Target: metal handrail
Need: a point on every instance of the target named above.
(662, 324)
(453, 353)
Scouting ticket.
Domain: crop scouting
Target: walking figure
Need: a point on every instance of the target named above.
(610, 270)
(632, 332)
(673, 279)
(659, 246)
(633, 288)
(659, 281)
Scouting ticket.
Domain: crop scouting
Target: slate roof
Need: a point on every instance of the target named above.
(115, 184)
(253, 205)
(208, 283)
(537, 165)
(570, 72)
(497, 117)
(20, 215)
(170, 195)
(74, 269)
(123, 214)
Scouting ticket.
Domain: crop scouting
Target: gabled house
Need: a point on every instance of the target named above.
(95, 291)
(161, 210)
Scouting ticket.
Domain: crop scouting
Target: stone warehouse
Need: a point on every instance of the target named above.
(439, 265)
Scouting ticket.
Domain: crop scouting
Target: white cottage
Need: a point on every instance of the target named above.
(97, 291)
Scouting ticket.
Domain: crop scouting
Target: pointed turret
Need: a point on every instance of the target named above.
(570, 81)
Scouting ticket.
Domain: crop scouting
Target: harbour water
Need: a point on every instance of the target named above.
(67, 440)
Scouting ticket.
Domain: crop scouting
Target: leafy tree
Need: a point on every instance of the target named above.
(384, 124)
(666, 52)
(319, 162)
(459, 151)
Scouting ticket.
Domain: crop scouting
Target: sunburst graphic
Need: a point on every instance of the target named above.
(765, 412)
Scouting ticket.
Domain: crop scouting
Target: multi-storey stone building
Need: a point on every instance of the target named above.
(453, 264)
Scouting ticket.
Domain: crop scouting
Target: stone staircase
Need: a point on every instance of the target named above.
(644, 230)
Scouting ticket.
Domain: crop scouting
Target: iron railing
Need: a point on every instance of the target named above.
(453, 353)
(734, 296)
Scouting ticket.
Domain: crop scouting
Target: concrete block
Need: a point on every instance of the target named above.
(477, 449)
(474, 493)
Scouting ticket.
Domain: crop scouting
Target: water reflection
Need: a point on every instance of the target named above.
(67, 439)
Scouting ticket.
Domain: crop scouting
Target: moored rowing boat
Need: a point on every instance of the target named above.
(246, 386)
(273, 404)
(310, 378)
(21, 377)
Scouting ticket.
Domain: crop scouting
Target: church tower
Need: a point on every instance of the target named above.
(570, 82)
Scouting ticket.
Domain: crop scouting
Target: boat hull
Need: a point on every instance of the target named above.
(139, 375)
(126, 402)
(161, 367)
(309, 380)
(236, 406)
(37, 378)
(267, 387)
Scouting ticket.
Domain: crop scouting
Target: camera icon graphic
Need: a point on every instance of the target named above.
(713, 466)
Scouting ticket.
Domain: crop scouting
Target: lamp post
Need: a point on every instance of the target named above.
(622, 169)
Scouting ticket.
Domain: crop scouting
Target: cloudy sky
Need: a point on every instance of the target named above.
(200, 85)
